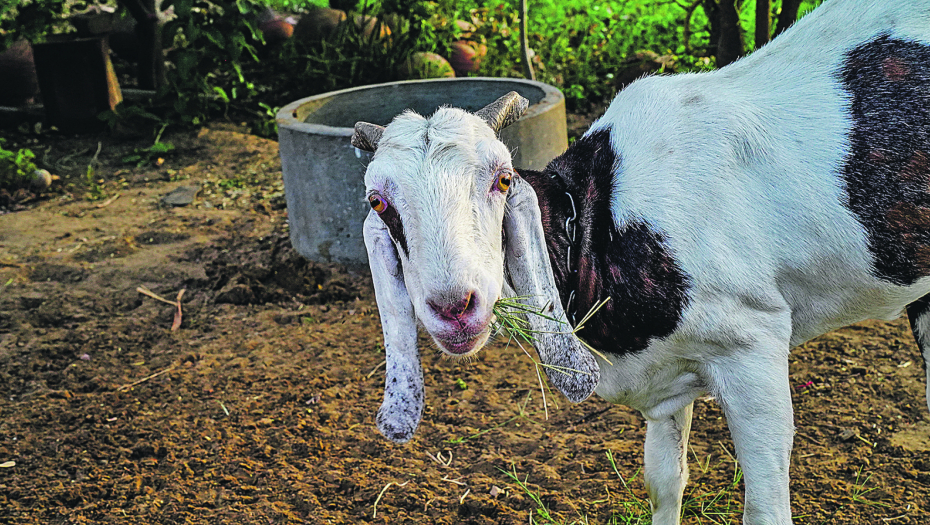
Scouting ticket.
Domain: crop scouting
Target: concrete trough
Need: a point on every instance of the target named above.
(324, 173)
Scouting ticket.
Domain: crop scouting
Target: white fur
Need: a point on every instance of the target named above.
(740, 171)
(437, 173)
(739, 168)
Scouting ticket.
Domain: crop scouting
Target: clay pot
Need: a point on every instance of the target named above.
(276, 31)
(426, 65)
(467, 28)
(465, 56)
(20, 85)
(318, 24)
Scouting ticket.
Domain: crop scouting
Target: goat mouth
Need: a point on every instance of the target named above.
(462, 344)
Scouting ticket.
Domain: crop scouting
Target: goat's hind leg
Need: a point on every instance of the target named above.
(666, 464)
(918, 313)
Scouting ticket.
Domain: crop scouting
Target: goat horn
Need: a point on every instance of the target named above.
(367, 136)
(504, 111)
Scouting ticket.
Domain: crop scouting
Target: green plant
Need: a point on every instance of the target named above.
(720, 507)
(295, 5)
(145, 156)
(17, 168)
(96, 189)
(351, 56)
(632, 511)
(31, 19)
(129, 115)
(266, 125)
(858, 491)
(209, 44)
(541, 513)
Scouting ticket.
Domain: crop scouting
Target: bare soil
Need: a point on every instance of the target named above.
(260, 407)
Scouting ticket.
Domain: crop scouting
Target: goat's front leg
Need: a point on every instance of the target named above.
(402, 408)
(666, 464)
(755, 395)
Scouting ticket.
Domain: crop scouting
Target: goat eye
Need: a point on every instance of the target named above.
(377, 203)
(503, 181)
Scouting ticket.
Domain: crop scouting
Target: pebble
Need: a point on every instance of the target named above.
(180, 196)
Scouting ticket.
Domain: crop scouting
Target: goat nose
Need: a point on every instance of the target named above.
(454, 309)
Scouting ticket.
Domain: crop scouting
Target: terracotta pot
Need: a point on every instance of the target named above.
(426, 65)
(276, 31)
(20, 85)
(318, 24)
(465, 56)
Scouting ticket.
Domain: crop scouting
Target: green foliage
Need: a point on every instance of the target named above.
(348, 58)
(147, 156)
(266, 125)
(29, 19)
(17, 168)
(295, 6)
(96, 188)
(218, 61)
(209, 44)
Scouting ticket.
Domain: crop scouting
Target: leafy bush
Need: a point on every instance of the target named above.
(218, 62)
(348, 58)
(209, 43)
(29, 19)
(17, 169)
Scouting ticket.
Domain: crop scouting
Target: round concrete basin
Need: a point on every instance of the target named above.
(324, 173)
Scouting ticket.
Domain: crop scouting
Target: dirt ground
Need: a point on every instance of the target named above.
(260, 407)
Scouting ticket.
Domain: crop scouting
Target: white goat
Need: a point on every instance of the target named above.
(730, 216)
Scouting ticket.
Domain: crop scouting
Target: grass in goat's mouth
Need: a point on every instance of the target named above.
(511, 320)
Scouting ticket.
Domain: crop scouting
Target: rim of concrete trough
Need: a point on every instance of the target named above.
(324, 174)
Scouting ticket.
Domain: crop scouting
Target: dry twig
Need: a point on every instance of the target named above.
(176, 303)
(144, 379)
(374, 514)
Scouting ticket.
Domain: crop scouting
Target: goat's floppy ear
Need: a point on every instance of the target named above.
(504, 111)
(571, 368)
(367, 136)
(400, 413)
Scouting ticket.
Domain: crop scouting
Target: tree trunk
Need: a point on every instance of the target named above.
(151, 67)
(525, 44)
(788, 16)
(730, 45)
(712, 12)
(763, 22)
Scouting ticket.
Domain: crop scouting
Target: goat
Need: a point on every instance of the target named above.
(730, 216)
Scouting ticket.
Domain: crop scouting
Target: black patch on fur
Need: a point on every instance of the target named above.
(647, 289)
(887, 171)
(396, 227)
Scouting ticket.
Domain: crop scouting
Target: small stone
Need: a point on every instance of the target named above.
(180, 196)
(41, 180)
(848, 434)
